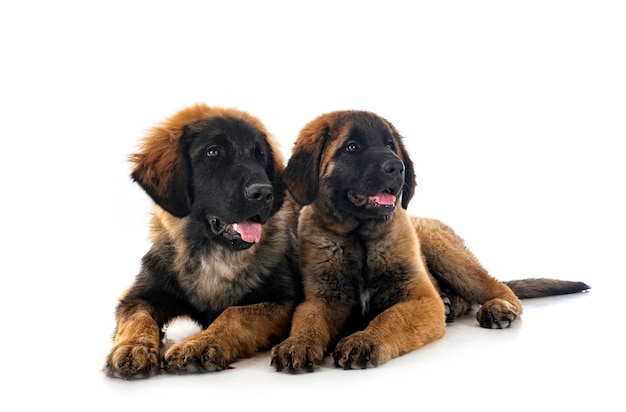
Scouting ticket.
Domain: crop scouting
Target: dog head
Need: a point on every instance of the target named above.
(354, 162)
(220, 167)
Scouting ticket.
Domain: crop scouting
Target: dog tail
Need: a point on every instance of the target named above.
(541, 287)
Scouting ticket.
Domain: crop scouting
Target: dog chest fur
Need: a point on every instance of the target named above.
(219, 278)
(361, 270)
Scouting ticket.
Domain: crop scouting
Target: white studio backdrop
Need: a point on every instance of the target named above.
(514, 113)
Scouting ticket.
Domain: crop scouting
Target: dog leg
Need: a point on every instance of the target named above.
(315, 324)
(454, 266)
(137, 346)
(238, 332)
(400, 329)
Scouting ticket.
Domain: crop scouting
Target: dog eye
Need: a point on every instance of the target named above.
(390, 145)
(213, 152)
(351, 147)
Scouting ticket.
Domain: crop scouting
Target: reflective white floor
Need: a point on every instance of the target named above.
(565, 353)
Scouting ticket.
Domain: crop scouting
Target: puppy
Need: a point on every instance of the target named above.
(374, 276)
(222, 254)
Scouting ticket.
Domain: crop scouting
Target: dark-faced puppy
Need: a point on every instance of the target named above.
(368, 296)
(372, 274)
(222, 254)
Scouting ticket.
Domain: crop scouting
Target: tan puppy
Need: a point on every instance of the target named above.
(223, 246)
(373, 275)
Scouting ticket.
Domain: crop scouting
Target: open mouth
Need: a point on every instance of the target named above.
(248, 230)
(384, 199)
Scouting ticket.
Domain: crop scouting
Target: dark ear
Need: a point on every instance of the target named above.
(279, 187)
(161, 169)
(275, 173)
(302, 172)
(409, 174)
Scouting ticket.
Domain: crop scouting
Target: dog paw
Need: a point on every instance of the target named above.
(496, 314)
(295, 355)
(357, 351)
(132, 361)
(454, 306)
(447, 304)
(189, 357)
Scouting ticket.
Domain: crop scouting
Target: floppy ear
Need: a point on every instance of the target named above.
(275, 173)
(302, 172)
(161, 169)
(408, 189)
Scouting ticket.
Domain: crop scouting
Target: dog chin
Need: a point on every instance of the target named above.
(237, 243)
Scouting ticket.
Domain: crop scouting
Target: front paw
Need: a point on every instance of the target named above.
(189, 357)
(132, 361)
(357, 351)
(497, 314)
(295, 355)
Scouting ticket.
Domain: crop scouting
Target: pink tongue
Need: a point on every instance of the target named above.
(250, 231)
(383, 198)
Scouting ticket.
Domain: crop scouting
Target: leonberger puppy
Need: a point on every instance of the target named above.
(374, 277)
(223, 246)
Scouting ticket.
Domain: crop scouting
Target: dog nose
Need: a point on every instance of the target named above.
(393, 166)
(259, 192)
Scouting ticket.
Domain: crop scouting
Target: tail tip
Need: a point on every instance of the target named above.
(582, 287)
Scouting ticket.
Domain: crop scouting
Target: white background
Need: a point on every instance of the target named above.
(514, 113)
